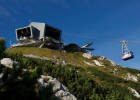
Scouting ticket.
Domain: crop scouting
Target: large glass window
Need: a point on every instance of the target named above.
(53, 33)
(24, 32)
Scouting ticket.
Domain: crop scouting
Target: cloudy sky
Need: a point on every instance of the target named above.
(105, 22)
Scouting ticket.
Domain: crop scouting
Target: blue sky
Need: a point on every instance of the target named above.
(105, 22)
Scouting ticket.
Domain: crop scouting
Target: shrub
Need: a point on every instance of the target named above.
(2, 47)
(72, 47)
(46, 93)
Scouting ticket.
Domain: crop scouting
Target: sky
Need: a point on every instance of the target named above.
(105, 22)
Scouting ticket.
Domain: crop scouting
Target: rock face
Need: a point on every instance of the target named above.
(130, 77)
(134, 92)
(7, 62)
(98, 63)
(88, 63)
(88, 55)
(59, 90)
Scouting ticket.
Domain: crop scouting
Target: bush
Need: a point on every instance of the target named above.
(72, 48)
(46, 93)
(2, 47)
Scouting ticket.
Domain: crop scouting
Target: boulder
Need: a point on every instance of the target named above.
(42, 82)
(88, 55)
(7, 62)
(46, 77)
(134, 92)
(57, 85)
(64, 95)
(64, 62)
(98, 63)
(115, 70)
(60, 91)
(138, 74)
(24, 70)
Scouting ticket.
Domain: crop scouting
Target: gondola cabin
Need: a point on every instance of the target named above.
(127, 56)
(126, 53)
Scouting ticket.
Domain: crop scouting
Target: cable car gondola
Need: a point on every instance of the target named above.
(126, 53)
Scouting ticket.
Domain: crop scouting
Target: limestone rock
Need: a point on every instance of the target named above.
(131, 77)
(98, 63)
(113, 63)
(57, 85)
(7, 62)
(88, 55)
(46, 77)
(64, 62)
(64, 95)
(42, 82)
(36, 57)
(101, 58)
(138, 74)
(88, 63)
(134, 92)
(60, 91)
(24, 70)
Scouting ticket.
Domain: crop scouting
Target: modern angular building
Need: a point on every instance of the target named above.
(40, 34)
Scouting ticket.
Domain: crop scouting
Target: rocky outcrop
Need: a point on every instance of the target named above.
(36, 57)
(8, 62)
(88, 55)
(113, 63)
(88, 63)
(59, 90)
(98, 63)
(134, 92)
(101, 58)
(131, 77)
(115, 70)
(64, 62)
(138, 74)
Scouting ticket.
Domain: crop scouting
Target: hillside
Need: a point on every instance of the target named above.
(77, 59)
(87, 77)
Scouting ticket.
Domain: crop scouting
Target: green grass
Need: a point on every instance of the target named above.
(74, 58)
(79, 82)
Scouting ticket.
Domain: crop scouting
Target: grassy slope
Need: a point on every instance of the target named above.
(75, 58)
(71, 58)
(102, 75)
